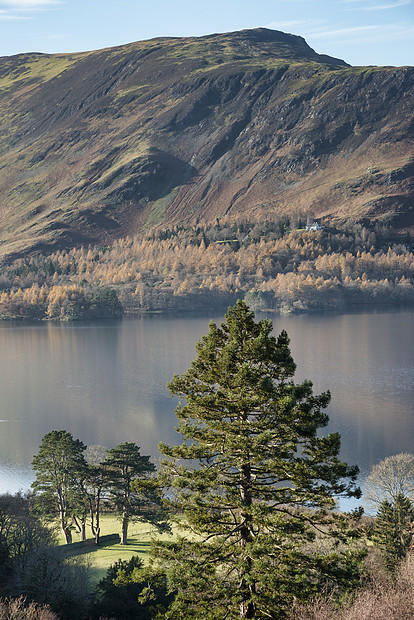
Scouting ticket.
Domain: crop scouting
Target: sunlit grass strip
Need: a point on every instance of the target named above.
(100, 558)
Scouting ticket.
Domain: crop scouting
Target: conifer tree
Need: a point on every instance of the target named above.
(60, 467)
(393, 529)
(134, 493)
(252, 484)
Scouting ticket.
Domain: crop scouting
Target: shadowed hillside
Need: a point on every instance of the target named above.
(100, 145)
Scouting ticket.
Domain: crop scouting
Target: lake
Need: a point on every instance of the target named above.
(105, 382)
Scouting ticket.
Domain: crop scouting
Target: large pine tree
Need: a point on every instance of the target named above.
(253, 483)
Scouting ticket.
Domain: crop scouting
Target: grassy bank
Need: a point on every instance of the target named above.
(101, 557)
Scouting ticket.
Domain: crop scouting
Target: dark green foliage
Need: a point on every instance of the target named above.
(116, 600)
(5, 562)
(258, 300)
(46, 577)
(50, 267)
(125, 594)
(393, 529)
(105, 303)
(134, 493)
(21, 532)
(60, 468)
(253, 482)
(32, 566)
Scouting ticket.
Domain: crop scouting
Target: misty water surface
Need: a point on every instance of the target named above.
(105, 382)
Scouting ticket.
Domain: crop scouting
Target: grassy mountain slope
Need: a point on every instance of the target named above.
(100, 145)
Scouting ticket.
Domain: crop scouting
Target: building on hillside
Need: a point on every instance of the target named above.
(314, 226)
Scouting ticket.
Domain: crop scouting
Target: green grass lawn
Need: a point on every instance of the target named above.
(99, 558)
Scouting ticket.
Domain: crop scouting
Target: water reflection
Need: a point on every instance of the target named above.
(105, 382)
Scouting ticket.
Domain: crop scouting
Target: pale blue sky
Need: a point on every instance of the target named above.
(362, 32)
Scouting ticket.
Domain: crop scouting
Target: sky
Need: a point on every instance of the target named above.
(361, 32)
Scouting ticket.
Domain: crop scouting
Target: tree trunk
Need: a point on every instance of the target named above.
(247, 606)
(81, 527)
(96, 530)
(82, 532)
(68, 535)
(98, 514)
(124, 536)
(94, 512)
(65, 528)
(247, 609)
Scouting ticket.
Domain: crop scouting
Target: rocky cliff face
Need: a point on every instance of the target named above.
(103, 144)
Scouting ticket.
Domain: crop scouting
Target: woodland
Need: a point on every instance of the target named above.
(275, 265)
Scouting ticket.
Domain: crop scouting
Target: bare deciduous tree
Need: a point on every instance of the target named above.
(390, 477)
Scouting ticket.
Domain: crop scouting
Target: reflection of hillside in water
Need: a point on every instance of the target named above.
(367, 362)
(105, 382)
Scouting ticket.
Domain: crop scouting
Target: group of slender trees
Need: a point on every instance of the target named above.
(252, 488)
(72, 482)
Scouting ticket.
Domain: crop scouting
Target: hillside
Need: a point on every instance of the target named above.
(99, 145)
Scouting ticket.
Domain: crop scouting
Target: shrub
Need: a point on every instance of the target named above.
(382, 600)
(16, 609)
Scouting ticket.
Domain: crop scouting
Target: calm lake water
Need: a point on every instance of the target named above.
(105, 382)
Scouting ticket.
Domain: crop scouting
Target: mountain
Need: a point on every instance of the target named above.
(250, 124)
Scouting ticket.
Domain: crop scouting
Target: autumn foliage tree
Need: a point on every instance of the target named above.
(269, 263)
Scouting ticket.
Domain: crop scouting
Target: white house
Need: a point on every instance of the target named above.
(314, 226)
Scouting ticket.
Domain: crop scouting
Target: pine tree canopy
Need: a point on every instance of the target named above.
(135, 495)
(60, 468)
(253, 483)
(393, 530)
